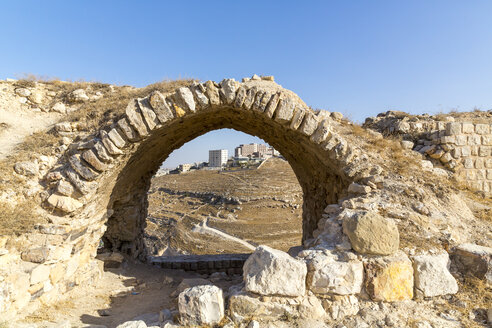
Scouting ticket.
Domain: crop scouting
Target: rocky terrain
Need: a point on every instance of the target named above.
(396, 226)
(260, 206)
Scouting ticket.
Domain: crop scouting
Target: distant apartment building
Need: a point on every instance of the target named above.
(255, 150)
(184, 167)
(217, 158)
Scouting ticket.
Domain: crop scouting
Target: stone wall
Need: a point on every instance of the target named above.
(459, 144)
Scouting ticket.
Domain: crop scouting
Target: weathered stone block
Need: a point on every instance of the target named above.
(285, 110)
(309, 124)
(90, 157)
(327, 274)
(63, 203)
(266, 271)
(161, 108)
(201, 305)
(212, 93)
(39, 274)
(27, 168)
(461, 140)
(297, 117)
(432, 276)
(35, 255)
(84, 171)
(116, 138)
(135, 118)
(474, 260)
(228, 90)
(272, 105)
(184, 98)
(390, 279)
(108, 144)
(482, 129)
(240, 97)
(322, 132)
(468, 128)
(370, 233)
(453, 128)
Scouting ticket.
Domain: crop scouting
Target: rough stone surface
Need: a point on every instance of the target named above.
(64, 203)
(432, 277)
(327, 274)
(133, 324)
(390, 278)
(370, 233)
(267, 270)
(26, 168)
(201, 305)
(474, 260)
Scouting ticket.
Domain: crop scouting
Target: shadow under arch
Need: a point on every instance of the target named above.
(318, 175)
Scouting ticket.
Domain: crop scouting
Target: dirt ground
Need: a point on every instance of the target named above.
(133, 290)
(269, 211)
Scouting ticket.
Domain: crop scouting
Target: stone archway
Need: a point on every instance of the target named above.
(111, 178)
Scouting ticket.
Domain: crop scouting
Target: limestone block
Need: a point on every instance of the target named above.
(370, 233)
(322, 132)
(36, 97)
(109, 145)
(64, 203)
(297, 118)
(453, 128)
(336, 116)
(474, 139)
(228, 90)
(266, 271)
(432, 276)
(184, 99)
(78, 95)
(90, 157)
(356, 188)
(250, 98)
(64, 188)
(135, 118)
(161, 108)
(39, 274)
(201, 305)
(446, 157)
(407, 144)
(199, 93)
(116, 138)
(285, 109)
(484, 151)
(133, 324)
(327, 274)
(466, 151)
(83, 186)
(23, 92)
(265, 100)
(468, 128)
(448, 139)
(59, 108)
(309, 124)
(240, 97)
(244, 305)
(35, 255)
(482, 129)
(57, 273)
(272, 105)
(82, 169)
(475, 260)
(479, 163)
(212, 93)
(29, 169)
(341, 306)
(150, 117)
(390, 278)
(461, 140)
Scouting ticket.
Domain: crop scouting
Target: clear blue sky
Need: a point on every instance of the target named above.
(356, 57)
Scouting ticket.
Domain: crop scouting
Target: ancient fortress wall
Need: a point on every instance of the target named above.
(360, 217)
(458, 144)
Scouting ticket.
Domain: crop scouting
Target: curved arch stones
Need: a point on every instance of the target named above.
(103, 183)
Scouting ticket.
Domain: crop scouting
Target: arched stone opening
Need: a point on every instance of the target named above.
(318, 176)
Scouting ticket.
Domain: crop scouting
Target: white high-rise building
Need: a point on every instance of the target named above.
(217, 158)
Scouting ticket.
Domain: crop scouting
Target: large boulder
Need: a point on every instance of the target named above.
(432, 277)
(370, 233)
(475, 260)
(201, 305)
(272, 272)
(327, 274)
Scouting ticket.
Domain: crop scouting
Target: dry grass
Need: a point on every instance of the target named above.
(92, 115)
(47, 313)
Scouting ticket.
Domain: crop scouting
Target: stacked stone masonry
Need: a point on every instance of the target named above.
(460, 146)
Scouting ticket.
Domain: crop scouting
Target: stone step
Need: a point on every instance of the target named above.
(203, 264)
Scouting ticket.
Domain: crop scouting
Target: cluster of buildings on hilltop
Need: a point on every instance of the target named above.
(244, 155)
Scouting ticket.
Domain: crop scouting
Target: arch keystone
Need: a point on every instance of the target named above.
(228, 90)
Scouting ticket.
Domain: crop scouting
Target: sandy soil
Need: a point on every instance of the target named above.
(17, 121)
(125, 293)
